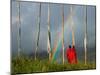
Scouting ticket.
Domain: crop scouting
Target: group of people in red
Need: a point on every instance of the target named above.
(71, 55)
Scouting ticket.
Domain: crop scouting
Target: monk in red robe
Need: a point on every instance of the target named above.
(71, 55)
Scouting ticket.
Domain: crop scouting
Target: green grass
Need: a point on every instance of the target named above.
(29, 65)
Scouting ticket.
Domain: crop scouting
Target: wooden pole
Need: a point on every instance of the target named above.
(72, 27)
(49, 34)
(85, 39)
(19, 30)
(63, 32)
(38, 33)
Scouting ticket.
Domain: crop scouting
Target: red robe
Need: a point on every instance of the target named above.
(71, 55)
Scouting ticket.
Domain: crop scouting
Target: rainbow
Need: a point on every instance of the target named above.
(59, 44)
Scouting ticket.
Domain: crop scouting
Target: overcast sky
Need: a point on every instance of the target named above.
(29, 12)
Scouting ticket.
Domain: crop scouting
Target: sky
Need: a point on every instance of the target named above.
(29, 12)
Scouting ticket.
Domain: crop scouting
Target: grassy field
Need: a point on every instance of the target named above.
(29, 65)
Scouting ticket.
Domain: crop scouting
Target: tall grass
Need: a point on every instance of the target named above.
(29, 65)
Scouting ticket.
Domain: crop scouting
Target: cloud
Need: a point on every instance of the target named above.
(29, 14)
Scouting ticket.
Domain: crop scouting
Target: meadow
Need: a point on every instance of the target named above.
(27, 65)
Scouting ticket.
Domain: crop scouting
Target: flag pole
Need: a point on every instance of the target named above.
(63, 32)
(19, 30)
(85, 39)
(73, 35)
(38, 33)
(49, 35)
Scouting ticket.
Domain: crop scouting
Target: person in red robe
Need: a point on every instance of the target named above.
(71, 55)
